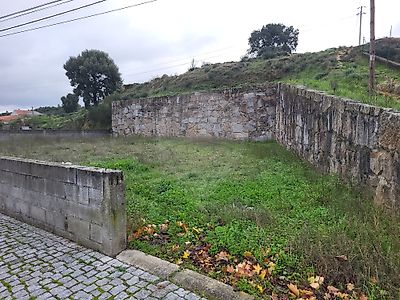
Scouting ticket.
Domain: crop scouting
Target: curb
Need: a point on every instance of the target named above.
(187, 279)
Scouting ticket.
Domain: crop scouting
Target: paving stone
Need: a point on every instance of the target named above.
(36, 264)
(142, 294)
(118, 289)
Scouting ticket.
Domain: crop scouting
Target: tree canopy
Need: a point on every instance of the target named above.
(70, 103)
(94, 75)
(273, 40)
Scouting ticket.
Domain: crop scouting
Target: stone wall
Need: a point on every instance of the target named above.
(337, 135)
(342, 136)
(233, 114)
(83, 204)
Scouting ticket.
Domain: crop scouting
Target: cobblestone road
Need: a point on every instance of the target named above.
(35, 264)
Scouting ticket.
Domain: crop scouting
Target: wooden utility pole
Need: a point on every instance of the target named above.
(371, 84)
(361, 13)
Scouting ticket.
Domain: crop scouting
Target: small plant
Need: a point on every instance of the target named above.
(334, 85)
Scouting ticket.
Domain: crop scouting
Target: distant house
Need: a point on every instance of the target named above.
(18, 114)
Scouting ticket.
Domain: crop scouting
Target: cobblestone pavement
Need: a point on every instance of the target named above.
(35, 264)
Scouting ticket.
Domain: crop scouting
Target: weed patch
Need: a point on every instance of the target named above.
(250, 214)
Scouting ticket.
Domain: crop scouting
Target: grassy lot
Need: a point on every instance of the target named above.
(250, 214)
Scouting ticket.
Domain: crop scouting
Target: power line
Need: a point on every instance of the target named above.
(28, 9)
(53, 16)
(77, 19)
(35, 10)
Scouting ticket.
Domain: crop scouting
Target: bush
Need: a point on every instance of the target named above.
(99, 117)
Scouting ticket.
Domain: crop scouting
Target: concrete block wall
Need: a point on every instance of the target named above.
(83, 204)
(233, 114)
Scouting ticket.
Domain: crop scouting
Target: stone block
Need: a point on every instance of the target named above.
(78, 227)
(38, 214)
(389, 133)
(96, 233)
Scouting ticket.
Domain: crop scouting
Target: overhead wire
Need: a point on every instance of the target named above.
(34, 11)
(31, 8)
(77, 19)
(53, 16)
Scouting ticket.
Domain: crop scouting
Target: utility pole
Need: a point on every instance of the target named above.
(361, 13)
(391, 27)
(371, 84)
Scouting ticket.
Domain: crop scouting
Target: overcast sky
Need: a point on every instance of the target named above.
(163, 37)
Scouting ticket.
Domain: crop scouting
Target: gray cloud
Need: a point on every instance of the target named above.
(146, 41)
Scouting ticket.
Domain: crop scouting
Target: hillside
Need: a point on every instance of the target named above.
(342, 71)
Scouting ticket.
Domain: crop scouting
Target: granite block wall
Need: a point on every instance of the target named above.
(232, 114)
(355, 140)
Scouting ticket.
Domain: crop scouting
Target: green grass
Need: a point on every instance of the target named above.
(245, 196)
(351, 80)
(71, 121)
(313, 70)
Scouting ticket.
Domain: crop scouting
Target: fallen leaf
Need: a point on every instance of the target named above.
(163, 228)
(222, 256)
(248, 254)
(196, 230)
(260, 288)
(179, 262)
(341, 257)
(183, 226)
(271, 267)
(316, 281)
(175, 248)
(293, 289)
(263, 274)
(230, 269)
(315, 285)
(244, 269)
(363, 297)
(306, 293)
(257, 269)
(342, 295)
(138, 233)
(186, 254)
(150, 229)
(332, 289)
(350, 287)
(274, 296)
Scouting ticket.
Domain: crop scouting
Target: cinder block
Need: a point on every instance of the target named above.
(95, 197)
(38, 214)
(89, 177)
(85, 212)
(54, 172)
(96, 233)
(78, 227)
(22, 208)
(54, 188)
(76, 193)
